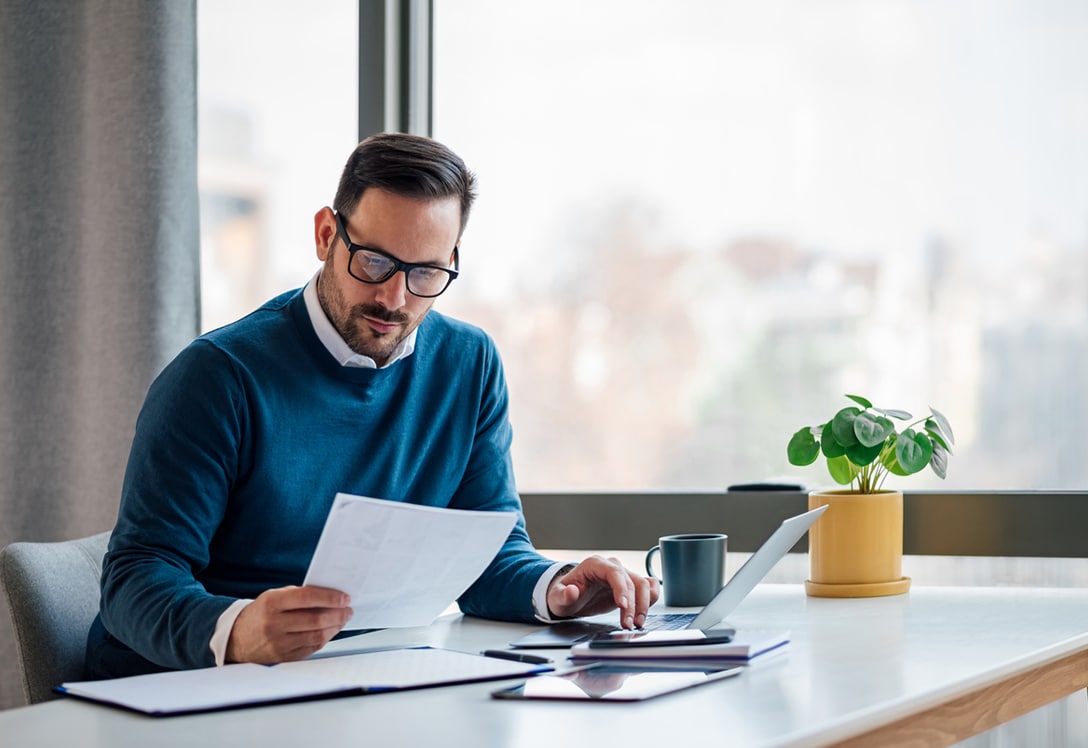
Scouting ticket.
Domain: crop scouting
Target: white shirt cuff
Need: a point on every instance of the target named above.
(223, 627)
(540, 592)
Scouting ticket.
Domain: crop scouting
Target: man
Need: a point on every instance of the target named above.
(351, 384)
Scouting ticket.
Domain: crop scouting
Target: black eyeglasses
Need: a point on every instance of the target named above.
(374, 266)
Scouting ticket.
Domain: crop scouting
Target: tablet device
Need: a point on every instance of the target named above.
(607, 682)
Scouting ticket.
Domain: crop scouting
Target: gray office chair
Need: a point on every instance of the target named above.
(52, 592)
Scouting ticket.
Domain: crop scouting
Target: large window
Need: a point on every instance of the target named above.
(702, 222)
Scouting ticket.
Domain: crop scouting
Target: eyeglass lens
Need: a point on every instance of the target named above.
(375, 268)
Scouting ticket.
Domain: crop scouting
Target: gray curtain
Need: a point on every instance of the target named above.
(99, 238)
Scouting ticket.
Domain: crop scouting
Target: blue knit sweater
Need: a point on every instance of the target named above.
(241, 445)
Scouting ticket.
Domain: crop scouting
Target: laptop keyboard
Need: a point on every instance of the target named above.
(667, 621)
(566, 633)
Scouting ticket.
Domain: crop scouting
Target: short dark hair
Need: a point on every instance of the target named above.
(406, 165)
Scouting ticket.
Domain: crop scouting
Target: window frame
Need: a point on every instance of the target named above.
(1022, 524)
(395, 63)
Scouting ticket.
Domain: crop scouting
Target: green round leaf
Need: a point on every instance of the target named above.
(939, 461)
(842, 472)
(902, 415)
(935, 434)
(888, 458)
(913, 451)
(860, 401)
(861, 455)
(871, 430)
(946, 427)
(895, 468)
(829, 445)
(842, 426)
(803, 449)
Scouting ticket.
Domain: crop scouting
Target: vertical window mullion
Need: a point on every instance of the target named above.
(395, 42)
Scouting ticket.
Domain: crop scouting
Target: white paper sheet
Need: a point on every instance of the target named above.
(403, 564)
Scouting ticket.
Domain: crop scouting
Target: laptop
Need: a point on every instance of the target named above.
(568, 633)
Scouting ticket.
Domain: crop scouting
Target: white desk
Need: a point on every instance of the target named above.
(936, 666)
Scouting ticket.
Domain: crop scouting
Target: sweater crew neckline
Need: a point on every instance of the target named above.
(300, 318)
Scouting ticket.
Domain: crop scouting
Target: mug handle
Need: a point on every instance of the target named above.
(649, 562)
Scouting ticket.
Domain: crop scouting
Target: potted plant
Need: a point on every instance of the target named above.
(856, 548)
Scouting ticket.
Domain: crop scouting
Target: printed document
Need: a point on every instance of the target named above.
(403, 564)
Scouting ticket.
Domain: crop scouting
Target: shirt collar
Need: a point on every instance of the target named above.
(335, 344)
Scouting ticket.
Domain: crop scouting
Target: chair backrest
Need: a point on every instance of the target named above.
(52, 590)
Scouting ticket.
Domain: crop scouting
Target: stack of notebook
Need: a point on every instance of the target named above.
(745, 645)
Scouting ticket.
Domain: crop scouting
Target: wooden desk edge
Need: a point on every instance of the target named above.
(984, 708)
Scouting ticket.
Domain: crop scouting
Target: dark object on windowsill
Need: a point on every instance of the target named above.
(766, 486)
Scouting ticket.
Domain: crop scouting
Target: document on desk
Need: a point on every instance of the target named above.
(242, 685)
(403, 564)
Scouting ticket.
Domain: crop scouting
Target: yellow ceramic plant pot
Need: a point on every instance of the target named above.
(856, 548)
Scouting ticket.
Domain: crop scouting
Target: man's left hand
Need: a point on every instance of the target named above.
(597, 585)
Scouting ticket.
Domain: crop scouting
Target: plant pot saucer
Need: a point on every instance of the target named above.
(868, 589)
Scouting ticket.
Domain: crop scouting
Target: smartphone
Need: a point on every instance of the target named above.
(662, 638)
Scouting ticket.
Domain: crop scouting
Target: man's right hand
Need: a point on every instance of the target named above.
(287, 623)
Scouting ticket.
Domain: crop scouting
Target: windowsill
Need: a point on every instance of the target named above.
(929, 571)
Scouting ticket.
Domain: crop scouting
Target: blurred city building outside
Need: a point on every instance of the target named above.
(701, 224)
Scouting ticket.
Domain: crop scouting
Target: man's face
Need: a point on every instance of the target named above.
(373, 318)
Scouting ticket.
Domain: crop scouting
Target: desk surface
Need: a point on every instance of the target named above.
(935, 660)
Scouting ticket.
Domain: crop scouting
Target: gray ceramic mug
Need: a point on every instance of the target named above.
(693, 567)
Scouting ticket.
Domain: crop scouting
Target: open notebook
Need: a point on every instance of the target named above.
(234, 686)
